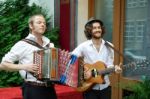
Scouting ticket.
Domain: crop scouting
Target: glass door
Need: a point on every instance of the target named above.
(137, 39)
(104, 11)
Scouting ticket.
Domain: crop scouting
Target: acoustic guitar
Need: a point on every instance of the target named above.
(102, 70)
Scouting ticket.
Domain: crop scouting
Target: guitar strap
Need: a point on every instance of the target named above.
(117, 51)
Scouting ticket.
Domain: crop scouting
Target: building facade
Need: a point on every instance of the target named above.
(127, 27)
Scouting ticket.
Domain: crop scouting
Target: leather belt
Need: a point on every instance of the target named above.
(44, 84)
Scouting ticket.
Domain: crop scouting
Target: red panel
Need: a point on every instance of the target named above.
(63, 92)
(65, 24)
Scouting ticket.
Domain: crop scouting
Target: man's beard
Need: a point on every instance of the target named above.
(96, 37)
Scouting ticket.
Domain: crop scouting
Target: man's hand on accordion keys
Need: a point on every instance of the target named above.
(31, 68)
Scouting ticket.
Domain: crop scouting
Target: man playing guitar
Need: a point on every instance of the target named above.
(94, 50)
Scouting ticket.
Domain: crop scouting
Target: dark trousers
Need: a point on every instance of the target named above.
(38, 92)
(98, 94)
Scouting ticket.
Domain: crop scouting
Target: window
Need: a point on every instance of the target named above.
(137, 38)
(136, 3)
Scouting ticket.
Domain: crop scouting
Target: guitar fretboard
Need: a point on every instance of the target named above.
(135, 65)
(106, 71)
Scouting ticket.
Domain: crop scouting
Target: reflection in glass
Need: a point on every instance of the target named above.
(137, 38)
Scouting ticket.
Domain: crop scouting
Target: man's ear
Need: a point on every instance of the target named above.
(30, 26)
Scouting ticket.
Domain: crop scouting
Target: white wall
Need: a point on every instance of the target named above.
(82, 17)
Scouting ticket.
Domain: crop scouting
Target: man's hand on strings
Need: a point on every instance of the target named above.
(118, 69)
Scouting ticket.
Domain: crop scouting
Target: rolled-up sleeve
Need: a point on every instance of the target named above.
(14, 54)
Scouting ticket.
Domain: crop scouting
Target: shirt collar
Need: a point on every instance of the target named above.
(32, 37)
(91, 43)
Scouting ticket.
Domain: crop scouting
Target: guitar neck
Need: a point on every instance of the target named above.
(106, 71)
(135, 65)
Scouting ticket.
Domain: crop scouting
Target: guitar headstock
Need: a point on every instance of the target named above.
(138, 64)
(143, 63)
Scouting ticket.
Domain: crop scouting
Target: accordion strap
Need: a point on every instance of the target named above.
(33, 43)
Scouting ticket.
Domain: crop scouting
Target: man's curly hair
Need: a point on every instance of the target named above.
(89, 27)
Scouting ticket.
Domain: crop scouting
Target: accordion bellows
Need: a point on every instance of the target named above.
(53, 63)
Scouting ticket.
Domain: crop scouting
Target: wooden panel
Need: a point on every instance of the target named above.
(116, 42)
(65, 1)
(125, 82)
(121, 40)
(91, 8)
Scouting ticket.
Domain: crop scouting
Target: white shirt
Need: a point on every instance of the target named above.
(91, 55)
(23, 52)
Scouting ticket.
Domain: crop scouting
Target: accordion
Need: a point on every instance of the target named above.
(59, 66)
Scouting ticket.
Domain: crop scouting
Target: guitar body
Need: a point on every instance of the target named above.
(87, 84)
(100, 66)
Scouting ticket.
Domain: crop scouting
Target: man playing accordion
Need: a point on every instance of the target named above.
(22, 52)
